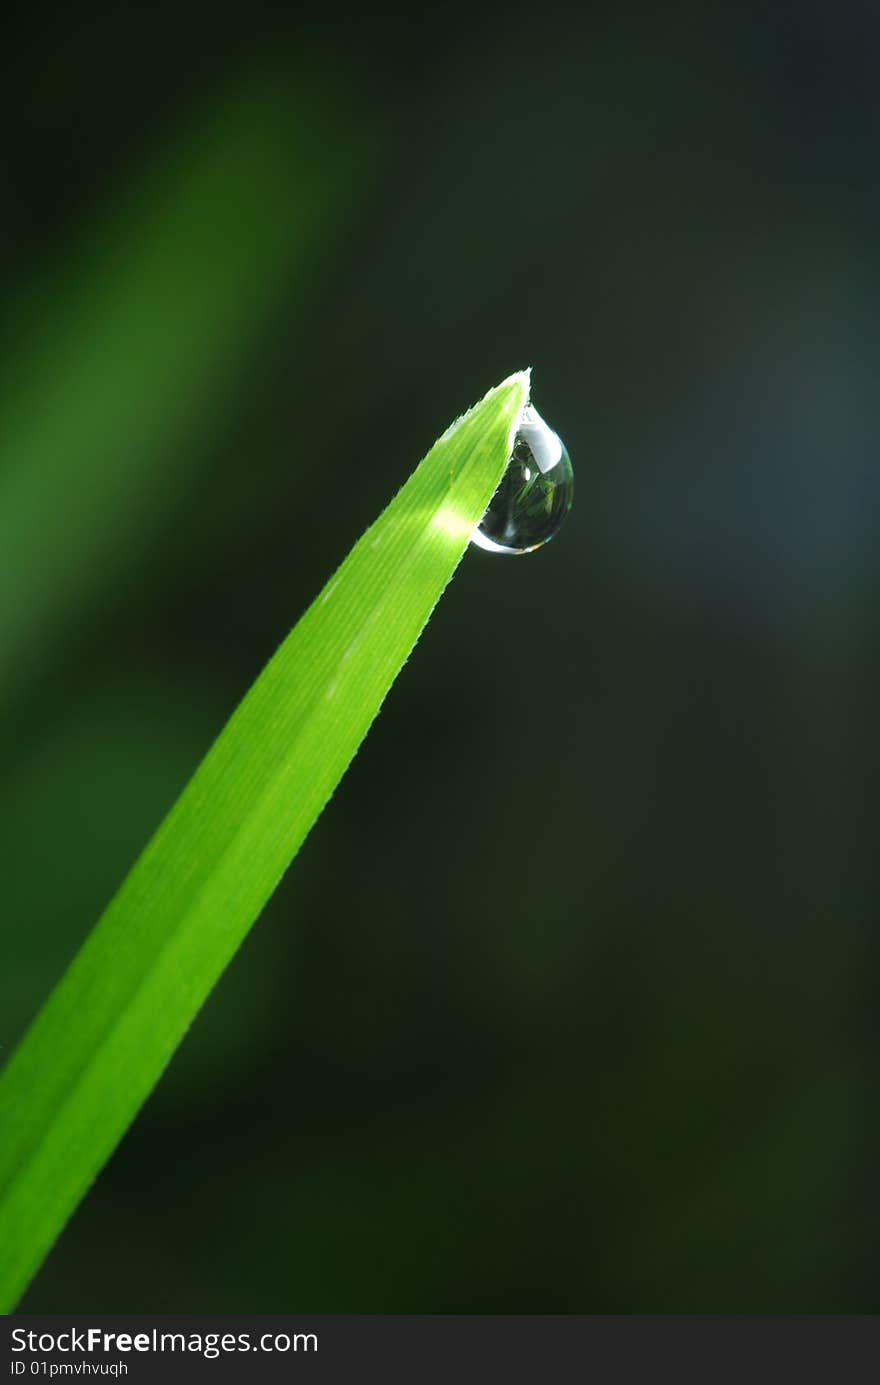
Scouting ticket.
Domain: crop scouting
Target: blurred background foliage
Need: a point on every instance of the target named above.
(570, 1003)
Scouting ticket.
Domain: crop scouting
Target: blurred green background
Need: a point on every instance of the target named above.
(570, 1002)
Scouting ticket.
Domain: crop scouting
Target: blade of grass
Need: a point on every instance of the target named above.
(100, 1043)
(122, 370)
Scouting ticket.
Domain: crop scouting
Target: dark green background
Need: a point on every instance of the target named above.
(570, 1002)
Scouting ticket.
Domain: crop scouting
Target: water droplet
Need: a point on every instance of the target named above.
(535, 493)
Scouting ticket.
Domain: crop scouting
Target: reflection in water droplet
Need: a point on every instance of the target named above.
(535, 493)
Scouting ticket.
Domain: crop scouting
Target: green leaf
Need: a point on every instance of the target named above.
(124, 369)
(101, 1041)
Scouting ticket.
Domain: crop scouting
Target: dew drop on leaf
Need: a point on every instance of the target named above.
(535, 493)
